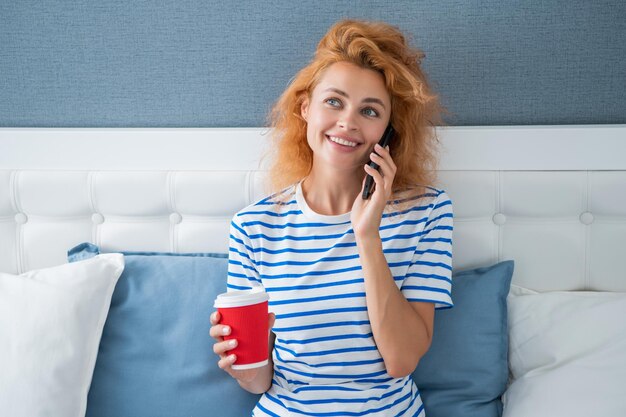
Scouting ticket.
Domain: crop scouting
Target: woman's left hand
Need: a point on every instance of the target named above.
(366, 214)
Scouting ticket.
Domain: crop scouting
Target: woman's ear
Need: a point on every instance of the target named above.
(304, 109)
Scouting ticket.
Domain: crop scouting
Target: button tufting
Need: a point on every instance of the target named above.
(586, 218)
(21, 218)
(97, 218)
(175, 218)
(499, 219)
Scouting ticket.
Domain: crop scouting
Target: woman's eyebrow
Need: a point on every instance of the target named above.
(365, 100)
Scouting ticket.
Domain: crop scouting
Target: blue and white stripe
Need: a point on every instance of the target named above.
(325, 360)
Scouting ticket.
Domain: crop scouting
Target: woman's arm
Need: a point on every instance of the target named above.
(402, 330)
(242, 273)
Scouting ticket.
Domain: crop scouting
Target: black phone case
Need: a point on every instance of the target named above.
(385, 140)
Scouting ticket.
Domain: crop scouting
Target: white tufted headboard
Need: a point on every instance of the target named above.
(552, 198)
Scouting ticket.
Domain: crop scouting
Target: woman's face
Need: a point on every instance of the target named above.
(346, 115)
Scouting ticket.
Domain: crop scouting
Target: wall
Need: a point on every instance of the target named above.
(192, 63)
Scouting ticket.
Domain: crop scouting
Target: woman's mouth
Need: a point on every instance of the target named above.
(341, 141)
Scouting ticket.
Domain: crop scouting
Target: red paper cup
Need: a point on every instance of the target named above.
(246, 313)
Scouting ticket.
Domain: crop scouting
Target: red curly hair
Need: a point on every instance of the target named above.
(415, 109)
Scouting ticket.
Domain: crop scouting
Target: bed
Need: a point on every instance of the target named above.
(544, 334)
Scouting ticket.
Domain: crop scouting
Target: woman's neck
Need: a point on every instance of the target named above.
(331, 192)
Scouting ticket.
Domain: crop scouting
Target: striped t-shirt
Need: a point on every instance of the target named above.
(326, 362)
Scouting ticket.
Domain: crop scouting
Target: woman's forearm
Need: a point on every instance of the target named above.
(400, 328)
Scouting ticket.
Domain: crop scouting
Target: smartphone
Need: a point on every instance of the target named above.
(369, 181)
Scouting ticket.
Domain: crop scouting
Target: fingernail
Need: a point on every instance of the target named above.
(225, 330)
(232, 358)
(232, 343)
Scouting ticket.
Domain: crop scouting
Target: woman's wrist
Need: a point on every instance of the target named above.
(368, 241)
(260, 383)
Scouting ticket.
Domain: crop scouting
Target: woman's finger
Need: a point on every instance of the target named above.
(220, 348)
(218, 331)
(227, 361)
(383, 168)
(386, 164)
(378, 179)
(215, 318)
(271, 320)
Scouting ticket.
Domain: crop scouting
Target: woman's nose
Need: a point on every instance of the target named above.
(347, 121)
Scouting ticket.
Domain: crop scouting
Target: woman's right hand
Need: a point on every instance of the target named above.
(222, 347)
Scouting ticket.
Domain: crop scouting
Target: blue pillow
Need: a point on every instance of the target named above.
(465, 371)
(156, 356)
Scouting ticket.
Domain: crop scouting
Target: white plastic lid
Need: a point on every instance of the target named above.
(241, 298)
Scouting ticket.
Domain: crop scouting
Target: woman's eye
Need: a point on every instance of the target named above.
(333, 102)
(370, 112)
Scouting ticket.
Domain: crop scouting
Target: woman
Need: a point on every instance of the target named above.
(353, 282)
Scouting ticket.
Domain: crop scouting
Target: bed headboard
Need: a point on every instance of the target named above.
(552, 198)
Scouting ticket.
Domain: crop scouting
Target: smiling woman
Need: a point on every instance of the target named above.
(346, 115)
(413, 107)
(353, 282)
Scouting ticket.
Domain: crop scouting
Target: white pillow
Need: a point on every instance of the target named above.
(51, 321)
(567, 354)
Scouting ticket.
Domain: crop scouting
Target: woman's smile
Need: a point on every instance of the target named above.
(343, 141)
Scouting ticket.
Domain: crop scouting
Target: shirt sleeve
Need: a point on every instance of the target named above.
(429, 277)
(243, 273)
